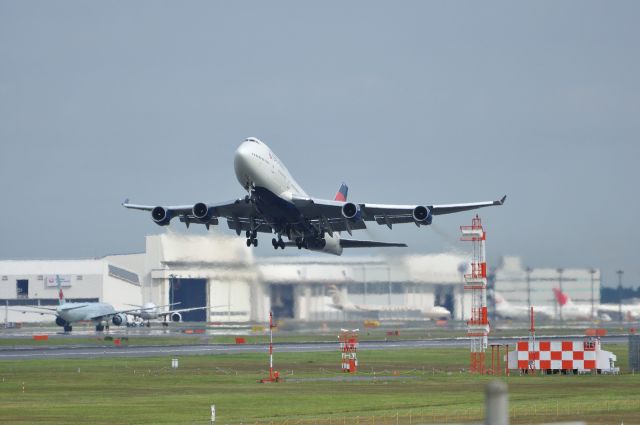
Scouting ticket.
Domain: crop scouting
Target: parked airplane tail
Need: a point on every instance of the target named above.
(561, 298)
(341, 195)
(61, 299)
(337, 297)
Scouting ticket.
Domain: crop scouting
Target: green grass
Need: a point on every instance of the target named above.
(434, 389)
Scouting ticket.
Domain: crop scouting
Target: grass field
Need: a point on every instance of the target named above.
(432, 389)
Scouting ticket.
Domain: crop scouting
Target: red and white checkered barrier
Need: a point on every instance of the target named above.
(561, 355)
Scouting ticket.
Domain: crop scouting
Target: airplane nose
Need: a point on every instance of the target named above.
(241, 162)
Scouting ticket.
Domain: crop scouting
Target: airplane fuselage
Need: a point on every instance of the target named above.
(78, 312)
(272, 188)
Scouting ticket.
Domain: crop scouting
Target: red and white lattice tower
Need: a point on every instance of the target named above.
(476, 284)
(349, 348)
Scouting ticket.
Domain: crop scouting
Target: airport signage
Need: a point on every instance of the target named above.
(50, 281)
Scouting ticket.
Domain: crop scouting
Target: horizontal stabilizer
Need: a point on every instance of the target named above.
(350, 243)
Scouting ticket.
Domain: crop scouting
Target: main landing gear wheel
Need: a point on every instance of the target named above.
(279, 243)
(99, 328)
(67, 328)
(252, 238)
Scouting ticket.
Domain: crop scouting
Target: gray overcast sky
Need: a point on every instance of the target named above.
(407, 102)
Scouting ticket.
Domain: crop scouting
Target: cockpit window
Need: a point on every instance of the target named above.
(252, 139)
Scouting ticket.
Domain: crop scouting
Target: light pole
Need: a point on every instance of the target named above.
(620, 273)
(560, 270)
(593, 310)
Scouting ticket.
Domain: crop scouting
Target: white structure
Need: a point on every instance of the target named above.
(562, 356)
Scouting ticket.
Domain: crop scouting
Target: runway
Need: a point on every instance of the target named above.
(70, 352)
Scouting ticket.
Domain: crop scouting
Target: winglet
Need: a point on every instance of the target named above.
(126, 201)
(501, 201)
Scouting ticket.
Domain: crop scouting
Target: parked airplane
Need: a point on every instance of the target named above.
(506, 310)
(602, 311)
(150, 311)
(69, 312)
(277, 204)
(341, 302)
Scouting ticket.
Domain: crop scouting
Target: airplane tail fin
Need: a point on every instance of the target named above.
(61, 299)
(341, 195)
(336, 296)
(561, 298)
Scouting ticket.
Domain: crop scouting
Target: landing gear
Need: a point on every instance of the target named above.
(67, 328)
(300, 243)
(252, 238)
(99, 327)
(277, 243)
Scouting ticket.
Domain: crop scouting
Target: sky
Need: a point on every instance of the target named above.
(407, 102)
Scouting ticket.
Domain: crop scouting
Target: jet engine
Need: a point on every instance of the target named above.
(422, 215)
(119, 319)
(351, 211)
(161, 216)
(60, 321)
(202, 212)
(329, 244)
(176, 317)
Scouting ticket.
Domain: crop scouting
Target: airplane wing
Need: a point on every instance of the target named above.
(328, 214)
(36, 310)
(352, 243)
(183, 310)
(115, 313)
(240, 215)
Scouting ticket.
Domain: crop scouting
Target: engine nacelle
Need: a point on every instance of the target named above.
(161, 216)
(351, 211)
(330, 245)
(422, 215)
(202, 212)
(176, 317)
(60, 321)
(119, 319)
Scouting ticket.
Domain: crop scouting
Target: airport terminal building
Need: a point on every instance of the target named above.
(222, 273)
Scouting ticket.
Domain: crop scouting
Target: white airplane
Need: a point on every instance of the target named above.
(69, 312)
(572, 311)
(506, 310)
(150, 311)
(277, 204)
(341, 302)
